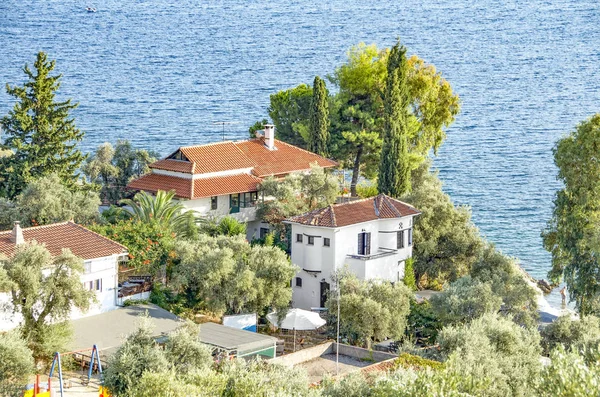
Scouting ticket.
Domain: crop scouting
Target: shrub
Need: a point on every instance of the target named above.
(581, 334)
(409, 274)
(406, 360)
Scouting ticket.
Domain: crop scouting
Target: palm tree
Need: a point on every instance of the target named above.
(164, 210)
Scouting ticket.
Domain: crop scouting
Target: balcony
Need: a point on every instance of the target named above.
(381, 253)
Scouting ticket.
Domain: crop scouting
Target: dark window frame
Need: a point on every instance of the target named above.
(400, 239)
(299, 238)
(311, 240)
(326, 242)
(364, 243)
(214, 202)
(299, 282)
(410, 238)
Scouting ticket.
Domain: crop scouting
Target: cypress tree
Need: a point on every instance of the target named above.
(394, 170)
(39, 132)
(319, 119)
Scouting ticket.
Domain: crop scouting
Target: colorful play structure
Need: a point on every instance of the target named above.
(41, 390)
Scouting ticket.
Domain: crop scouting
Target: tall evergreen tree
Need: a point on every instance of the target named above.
(319, 119)
(39, 132)
(394, 169)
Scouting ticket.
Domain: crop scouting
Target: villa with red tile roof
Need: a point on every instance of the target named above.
(99, 254)
(371, 237)
(222, 178)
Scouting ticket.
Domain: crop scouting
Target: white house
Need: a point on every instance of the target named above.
(99, 254)
(372, 237)
(222, 178)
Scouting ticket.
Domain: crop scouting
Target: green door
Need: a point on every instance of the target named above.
(234, 203)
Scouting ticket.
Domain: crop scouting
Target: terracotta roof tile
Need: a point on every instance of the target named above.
(174, 165)
(285, 159)
(81, 241)
(155, 182)
(339, 215)
(202, 187)
(215, 157)
(240, 183)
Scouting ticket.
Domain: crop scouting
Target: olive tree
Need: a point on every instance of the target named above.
(16, 363)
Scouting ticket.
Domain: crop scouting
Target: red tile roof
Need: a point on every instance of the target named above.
(217, 186)
(215, 157)
(174, 165)
(81, 241)
(197, 188)
(155, 182)
(338, 215)
(285, 159)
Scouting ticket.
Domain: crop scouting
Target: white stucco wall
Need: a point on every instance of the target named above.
(100, 268)
(322, 261)
(202, 206)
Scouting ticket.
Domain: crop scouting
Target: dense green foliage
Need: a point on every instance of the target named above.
(492, 356)
(394, 166)
(465, 300)
(228, 275)
(447, 242)
(568, 375)
(44, 290)
(572, 234)
(294, 195)
(16, 363)
(409, 274)
(162, 208)
(290, 112)
(357, 111)
(224, 226)
(112, 168)
(583, 334)
(150, 245)
(369, 310)
(318, 138)
(46, 200)
(39, 132)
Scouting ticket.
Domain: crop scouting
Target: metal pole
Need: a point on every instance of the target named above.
(337, 346)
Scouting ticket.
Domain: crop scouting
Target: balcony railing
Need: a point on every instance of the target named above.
(381, 252)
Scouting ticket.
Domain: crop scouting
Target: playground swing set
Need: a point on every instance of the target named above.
(36, 391)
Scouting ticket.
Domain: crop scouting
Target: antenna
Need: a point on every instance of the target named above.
(222, 123)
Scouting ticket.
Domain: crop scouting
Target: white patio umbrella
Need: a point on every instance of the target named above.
(297, 319)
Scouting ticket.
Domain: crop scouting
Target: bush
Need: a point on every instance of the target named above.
(492, 356)
(16, 363)
(581, 334)
(465, 300)
(568, 375)
(365, 190)
(423, 324)
(406, 360)
(409, 274)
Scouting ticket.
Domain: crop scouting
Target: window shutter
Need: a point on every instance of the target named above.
(368, 244)
(361, 244)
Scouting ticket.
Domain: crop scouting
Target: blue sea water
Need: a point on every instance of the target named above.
(160, 73)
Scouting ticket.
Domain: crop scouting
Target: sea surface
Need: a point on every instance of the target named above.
(162, 73)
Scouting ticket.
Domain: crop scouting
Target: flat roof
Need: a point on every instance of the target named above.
(228, 338)
(108, 330)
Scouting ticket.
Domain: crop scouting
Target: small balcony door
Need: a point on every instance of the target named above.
(234, 203)
(324, 293)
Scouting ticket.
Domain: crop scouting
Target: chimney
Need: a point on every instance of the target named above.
(17, 234)
(270, 136)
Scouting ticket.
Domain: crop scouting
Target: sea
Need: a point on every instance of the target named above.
(165, 74)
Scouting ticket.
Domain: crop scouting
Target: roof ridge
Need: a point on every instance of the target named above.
(38, 227)
(386, 199)
(205, 144)
(333, 217)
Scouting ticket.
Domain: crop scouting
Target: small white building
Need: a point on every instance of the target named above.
(99, 254)
(222, 178)
(372, 237)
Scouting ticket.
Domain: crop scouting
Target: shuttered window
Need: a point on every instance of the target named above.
(364, 243)
(409, 237)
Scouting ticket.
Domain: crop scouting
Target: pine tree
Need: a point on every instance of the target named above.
(319, 119)
(394, 170)
(39, 132)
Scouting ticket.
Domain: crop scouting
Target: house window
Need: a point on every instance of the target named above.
(298, 238)
(248, 199)
(87, 267)
(98, 285)
(213, 203)
(234, 203)
(400, 239)
(263, 232)
(326, 242)
(409, 237)
(364, 243)
(298, 282)
(311, 240)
